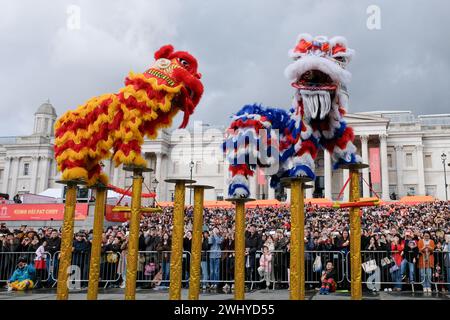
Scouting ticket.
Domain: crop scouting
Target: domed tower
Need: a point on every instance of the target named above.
(44, 120)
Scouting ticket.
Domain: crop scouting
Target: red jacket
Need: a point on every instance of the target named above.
(396, 252)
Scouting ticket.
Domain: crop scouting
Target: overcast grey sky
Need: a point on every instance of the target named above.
(241, 47)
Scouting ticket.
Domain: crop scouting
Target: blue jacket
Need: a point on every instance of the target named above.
(25, 273)
(215, 242)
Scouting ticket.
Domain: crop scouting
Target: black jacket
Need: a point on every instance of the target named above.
(53, 245)
(254, 242)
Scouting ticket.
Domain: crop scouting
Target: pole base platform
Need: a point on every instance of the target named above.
(100, 185)
(288, 180)
(354, 166)
(242, 200)
(71, 182)
(133, 168)
(202, 186)
(186, 181)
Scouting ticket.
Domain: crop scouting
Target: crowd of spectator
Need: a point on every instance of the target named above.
(412, 242)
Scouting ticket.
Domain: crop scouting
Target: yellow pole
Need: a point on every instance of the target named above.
(94, 265)
(355, 238)
(196, 250)
(65, 260)
(239, 247)
(295, 243)
(133, 241)
(301, 222)
(177, 242)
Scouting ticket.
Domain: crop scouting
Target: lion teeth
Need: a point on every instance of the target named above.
(313, 101)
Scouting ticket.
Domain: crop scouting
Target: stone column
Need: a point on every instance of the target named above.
(399, 165)
(345, 176)
(384, 167)
(14, 176)
(6, 175)
(158, 172)
(34, 173)
(115, 176)
(420, 170)
(253, 185)
(44, 173)
(270, 190)
(365, 159)
(327, 174)
(309, 192)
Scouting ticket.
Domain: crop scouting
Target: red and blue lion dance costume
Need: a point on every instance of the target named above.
(293, 138)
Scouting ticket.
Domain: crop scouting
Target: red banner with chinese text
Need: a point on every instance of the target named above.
(40, 212)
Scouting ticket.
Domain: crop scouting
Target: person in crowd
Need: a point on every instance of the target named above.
(265, 266)
(23, 277)
(187, 248)
(328, 279)
(446, 254)
(411, 256)
(163, 249)
(397, 246)
(215, 241)
(80, 256)
(204, 259)
(426, 260)
(253, 243)
(227, 263)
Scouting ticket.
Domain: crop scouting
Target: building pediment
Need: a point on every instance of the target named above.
(358, 118)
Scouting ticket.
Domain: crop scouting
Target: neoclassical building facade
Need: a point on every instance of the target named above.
(404, 152)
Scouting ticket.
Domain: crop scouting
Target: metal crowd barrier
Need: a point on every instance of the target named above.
(440, 277)
(154, 267)
(380, 269)
(110, 267)
(9, 260)
(315, 263)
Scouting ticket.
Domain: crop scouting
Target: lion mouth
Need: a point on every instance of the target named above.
(316, 93)
(162, 77)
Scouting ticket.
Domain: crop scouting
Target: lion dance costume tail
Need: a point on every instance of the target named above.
(114, 125)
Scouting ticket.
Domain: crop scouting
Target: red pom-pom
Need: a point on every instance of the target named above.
(164, 52)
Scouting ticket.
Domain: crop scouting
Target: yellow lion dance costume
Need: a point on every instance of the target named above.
(119, 121)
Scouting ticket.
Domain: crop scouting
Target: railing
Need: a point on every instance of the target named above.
(440, 273)
(315, 263)
(110, 267)
(380, 268)
(217, 268)
(9, 261)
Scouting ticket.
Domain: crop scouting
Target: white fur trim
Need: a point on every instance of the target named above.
(299, 67)
(305, 160)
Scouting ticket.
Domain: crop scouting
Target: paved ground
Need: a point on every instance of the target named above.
(118, 294)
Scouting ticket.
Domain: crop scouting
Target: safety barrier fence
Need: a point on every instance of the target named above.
(9, 261)
(394, 269)
(217, 268)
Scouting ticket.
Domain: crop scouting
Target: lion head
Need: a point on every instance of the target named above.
(174, 69)
(319, 75)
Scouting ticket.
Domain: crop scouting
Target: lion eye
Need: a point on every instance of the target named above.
(184, 63)
(341, 59)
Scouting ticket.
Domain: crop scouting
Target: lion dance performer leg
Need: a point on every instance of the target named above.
(315, 121)
(119, 121)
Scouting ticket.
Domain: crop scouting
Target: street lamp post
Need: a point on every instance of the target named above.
(191, 166)
(444, 158)
(155, 185)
